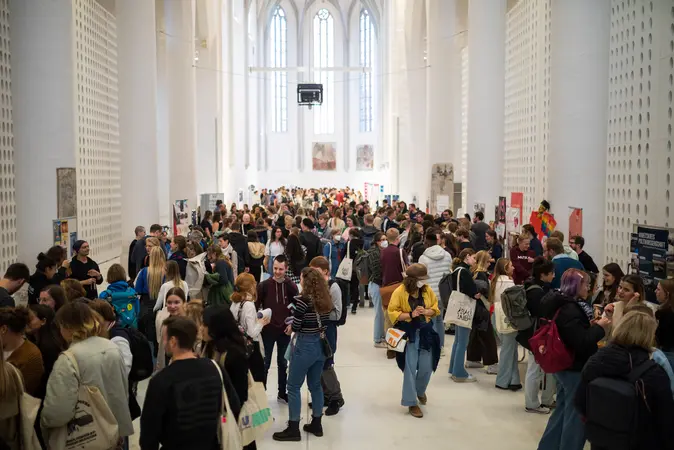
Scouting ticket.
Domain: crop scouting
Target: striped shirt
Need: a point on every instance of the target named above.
(305, 319)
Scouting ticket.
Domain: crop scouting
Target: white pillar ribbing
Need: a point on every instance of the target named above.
(137, 53)
(486, 42)
(579, 115)
(181, 91)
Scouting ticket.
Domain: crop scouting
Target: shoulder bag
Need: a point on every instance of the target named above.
(93, 426)
(255, 417)
(28, 408)
(345, 269)
(229, 433)
(250, 347)
(460, 308)
(327, 349)
(396, 340)
(387, 291)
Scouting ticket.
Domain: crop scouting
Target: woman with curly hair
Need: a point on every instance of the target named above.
(308, 354)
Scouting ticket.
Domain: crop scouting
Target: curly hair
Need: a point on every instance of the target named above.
(315, 288)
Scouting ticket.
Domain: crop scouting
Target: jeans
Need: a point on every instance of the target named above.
(417, 374)
(532, 385)
(439, 326)
(565, 430)
(457, 360)
(306, 362)
(375, 296)
(282, 341)
(508, 373)
(354, 291)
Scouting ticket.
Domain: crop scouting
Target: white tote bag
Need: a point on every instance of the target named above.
(93, 426)
(461, 308)
(345, 269)
(28, 408)
(229, 433)
(502, 325)
(255, 417)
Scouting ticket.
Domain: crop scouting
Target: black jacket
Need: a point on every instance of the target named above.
(180, 258)
(664, 335)
(654, 429)
(312, 243)
(573, 326)
(465, 283)
(36, 283)
(240, 244)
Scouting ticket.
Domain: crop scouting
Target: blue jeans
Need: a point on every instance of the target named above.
(439, 325)
(418, 371)
(458, 358)
(375, 296)
(282, 341)
(508, 373)
(306, 361)
(565, 430)
(331, 336)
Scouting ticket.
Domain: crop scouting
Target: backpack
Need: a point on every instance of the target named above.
(142, 365)
(367, 241)
(361, 264)
(344, 288)
(514, 303)
(549, 351)
(445, 288)
(126, 306)
(613, 404)
(194, 275)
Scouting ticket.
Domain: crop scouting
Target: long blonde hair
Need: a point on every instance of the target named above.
(481, 263)
(173, 274)
(155, 272)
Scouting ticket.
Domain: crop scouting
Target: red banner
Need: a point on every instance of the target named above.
(575, 223)
(517, 201)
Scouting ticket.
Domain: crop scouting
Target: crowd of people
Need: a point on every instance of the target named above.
(201, 315)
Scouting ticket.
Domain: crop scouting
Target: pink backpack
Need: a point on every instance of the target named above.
(549, 351)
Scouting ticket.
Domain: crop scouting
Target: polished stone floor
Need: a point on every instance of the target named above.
(457, 417)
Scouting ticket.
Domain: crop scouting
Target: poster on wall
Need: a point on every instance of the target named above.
(66, 192)
(501, 210)
(478, 207)
(513, 219)
(208, 202)
(517, 201)
(324, 156)
(364, 158)
(181, 218)
(65, 233)
(575, 222)
(652, 248)
(441, 203)
(442, 184)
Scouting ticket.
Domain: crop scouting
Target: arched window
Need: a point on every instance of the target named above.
(324, 56)
(366, 59)
(278, 32)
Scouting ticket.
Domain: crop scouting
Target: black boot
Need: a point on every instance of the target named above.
(333, 408)
(290, 434)
(314, 427)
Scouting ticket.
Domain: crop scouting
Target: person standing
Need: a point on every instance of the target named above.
(310, 240)
(278, 294)
(535, 243)
(45, 270)
(140, 234)
(480, 229)
(228, 251)
(178, 245)
(577, 244)
(15, 276)
(522, 258)
(85, 269)
(374, 285)
(140, 252)
(554, 250)
(495, 248)
(18, 350)
(508, 376)
(183, 402)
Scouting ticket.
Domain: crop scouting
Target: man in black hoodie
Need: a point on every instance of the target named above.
(240, 244)
(309, 239)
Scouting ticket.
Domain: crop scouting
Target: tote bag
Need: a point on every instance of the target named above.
(502, 325)
(228, 433)
(28, 408)
(345, 269)
(93, 426)
(255, 417)
(461, 308)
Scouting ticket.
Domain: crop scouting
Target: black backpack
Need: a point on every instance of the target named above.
(344, 288)
(142, 365)
(613, 404)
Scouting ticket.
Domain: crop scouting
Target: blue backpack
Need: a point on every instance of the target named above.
(126, 306)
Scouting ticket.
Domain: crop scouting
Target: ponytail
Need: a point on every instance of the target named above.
(44, 262)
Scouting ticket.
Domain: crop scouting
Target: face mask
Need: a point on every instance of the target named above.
(384, 244)
(338, 238)
(420, 284)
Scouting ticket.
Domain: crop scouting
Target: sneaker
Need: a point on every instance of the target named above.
(380, 345)
(473, 365)
(371, 305)
(422, 399)
(515, 387)
(442, 352)
(415, 411)
(540, 410)
(333, 409)
(468, 379)
(553, 405)
(282, 398)
(353, 311)
(290, 434)
(492, 370)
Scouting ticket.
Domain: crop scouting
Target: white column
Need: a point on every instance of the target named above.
(579, 115)
(486, 94)
(137, 58)
(207, 112)
(180, 83)
(43, 103)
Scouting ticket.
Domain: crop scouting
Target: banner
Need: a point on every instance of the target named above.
(513, 219)
(65, 233)
(575, 223)
(501, 210)
(651, 249)
(517, 201)
(181, 218)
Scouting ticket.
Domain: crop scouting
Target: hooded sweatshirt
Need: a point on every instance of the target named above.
(277, 296)
(438, 263)
(36, 283)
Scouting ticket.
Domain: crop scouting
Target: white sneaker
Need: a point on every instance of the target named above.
(473, 365)
(492, 370)
(468, 379)
(380, 345)
(539, 410)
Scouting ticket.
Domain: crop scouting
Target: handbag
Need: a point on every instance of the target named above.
(28, 409)
(327, 349)
(229, 433)
(345, 269)
(93, 426)
(255, 417)
(396, 340)
(502, 325)
(387, 291)
(250, 346)
(460, 308)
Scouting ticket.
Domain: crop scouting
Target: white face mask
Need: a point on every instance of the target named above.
(384, 244)
(338, 237)
(420, 284)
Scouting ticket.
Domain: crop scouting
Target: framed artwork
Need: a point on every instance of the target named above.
(365, 158)
(324, 156)
(66, 192)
